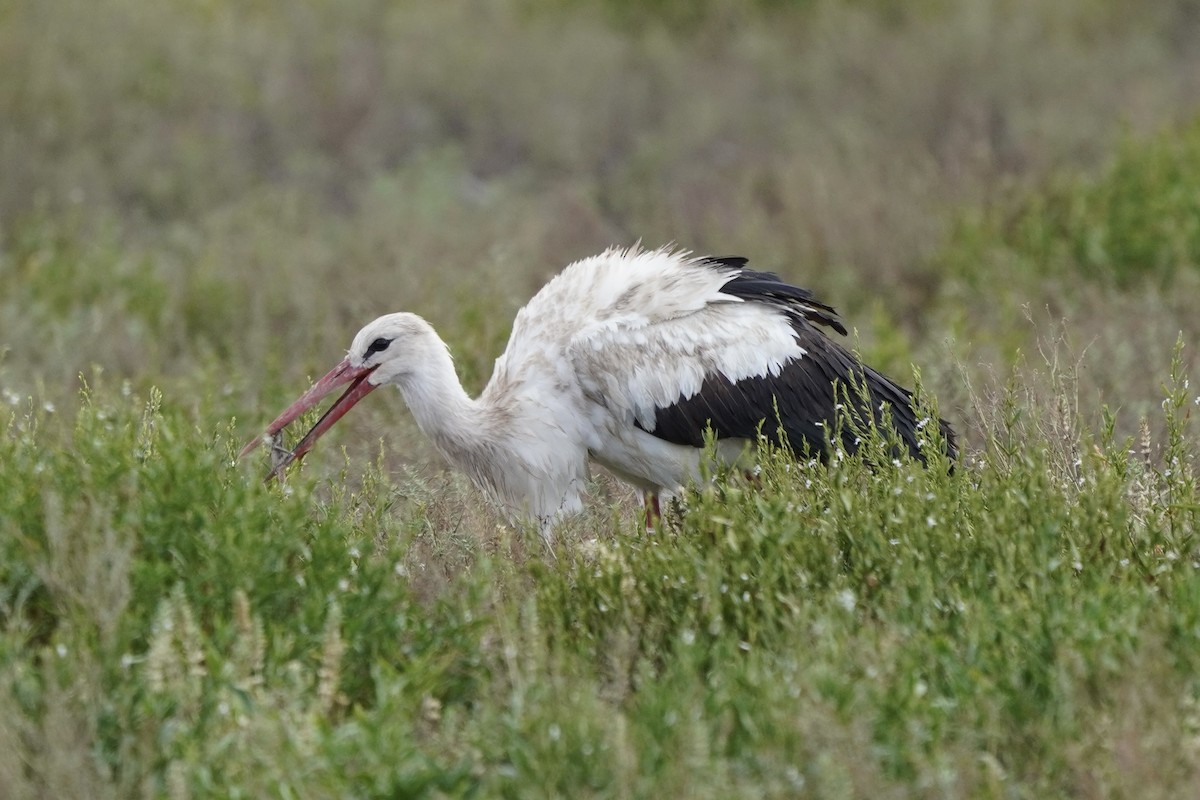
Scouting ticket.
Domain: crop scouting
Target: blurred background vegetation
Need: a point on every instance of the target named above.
(237, 186)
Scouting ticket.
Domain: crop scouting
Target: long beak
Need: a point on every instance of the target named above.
(340, 375)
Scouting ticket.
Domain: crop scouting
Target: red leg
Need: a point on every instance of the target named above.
(653, 510)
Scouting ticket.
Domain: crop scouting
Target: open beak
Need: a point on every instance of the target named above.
(340, 375)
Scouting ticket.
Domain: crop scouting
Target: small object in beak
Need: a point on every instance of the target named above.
(344, 373)
(280, 455)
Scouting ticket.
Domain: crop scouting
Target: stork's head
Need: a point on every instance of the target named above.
(385, 351)
(391, 347)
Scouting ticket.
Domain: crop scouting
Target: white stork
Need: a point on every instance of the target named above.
(625, 358)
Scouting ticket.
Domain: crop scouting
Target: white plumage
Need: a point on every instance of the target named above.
(625, 358)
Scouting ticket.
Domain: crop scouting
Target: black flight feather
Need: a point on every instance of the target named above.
(767, 287)
(804, 395)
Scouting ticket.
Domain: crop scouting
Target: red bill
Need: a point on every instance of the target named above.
(344, 373)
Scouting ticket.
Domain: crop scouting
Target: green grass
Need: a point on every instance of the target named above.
(202, 201)
(1026, 626)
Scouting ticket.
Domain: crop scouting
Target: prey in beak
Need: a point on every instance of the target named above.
(344, 373)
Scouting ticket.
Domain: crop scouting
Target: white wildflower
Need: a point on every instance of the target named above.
(846, 599)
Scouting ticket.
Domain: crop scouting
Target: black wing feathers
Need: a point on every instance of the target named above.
(730, 262)
(799, 405)
(766, 287)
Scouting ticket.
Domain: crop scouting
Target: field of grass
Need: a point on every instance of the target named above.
(200, 202)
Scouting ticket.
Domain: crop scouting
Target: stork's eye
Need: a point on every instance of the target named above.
(378, 346)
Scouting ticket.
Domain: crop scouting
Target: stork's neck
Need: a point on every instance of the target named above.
(457, 423)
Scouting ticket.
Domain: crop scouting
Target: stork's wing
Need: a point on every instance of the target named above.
(750, 360)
